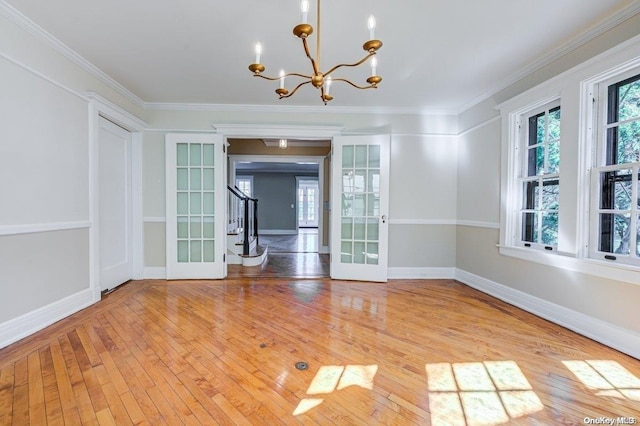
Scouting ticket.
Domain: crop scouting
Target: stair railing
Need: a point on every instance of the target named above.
(243, 214)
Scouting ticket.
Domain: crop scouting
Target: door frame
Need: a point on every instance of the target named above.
(282, 131)
(319, 160)
(299, 180)
(101, 107)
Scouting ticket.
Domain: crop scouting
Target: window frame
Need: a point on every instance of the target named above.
(523, 175)
(603, 123)
(248, 178)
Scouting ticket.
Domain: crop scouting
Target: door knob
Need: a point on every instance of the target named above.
(384, 218)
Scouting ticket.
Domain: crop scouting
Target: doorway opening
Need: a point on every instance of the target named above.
(292, 192)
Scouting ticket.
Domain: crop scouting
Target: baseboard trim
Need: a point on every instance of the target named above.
(603, 332)
(431, 273)
(155, 273)
(18, 328)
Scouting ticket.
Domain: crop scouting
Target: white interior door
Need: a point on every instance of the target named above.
(308, 203)
(195, 201)
(360, 198)
(114, 197)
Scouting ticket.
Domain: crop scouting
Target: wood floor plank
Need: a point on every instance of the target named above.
(224, 352)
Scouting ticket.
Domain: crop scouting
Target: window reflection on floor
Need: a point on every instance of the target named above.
(479, 393)
(607, 378)
(336, 377)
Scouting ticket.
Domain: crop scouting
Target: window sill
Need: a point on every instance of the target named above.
(569, 261)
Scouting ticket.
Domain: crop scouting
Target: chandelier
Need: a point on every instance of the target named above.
(320, 80)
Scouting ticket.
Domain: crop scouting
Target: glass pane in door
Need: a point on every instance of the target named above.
(360, 204)
(195, 168)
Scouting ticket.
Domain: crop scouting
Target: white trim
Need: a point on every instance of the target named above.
(479, 125)
(423, 221)
(289, 109)
(558, 53)
(17, 328)
(33, 228)
(28, 25)
(155, 273)
(278, 131)
(478, 224)
(157, 219)
(101, 107)
(429, 273)
(624, 340)
(568, 261)
(277, 232)
(39, 74)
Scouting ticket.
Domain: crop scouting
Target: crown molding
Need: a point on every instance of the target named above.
(577, 42)
(289, 109)
(27, 24)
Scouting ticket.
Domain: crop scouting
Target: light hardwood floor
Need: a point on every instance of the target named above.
(224, 352)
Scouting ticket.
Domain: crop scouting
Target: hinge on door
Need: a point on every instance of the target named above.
(224, 148)
(224, 258)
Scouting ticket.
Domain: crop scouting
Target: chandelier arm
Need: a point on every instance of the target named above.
(286, 75)
(316, 70)
(361, 61)
(355, 85)
(296, 89)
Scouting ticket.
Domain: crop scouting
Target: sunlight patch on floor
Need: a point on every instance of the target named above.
(479, 393)
(336, 377)
(608, 378)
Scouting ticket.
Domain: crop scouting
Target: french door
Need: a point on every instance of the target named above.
(360, 198)
(308, 198)
(195, 203)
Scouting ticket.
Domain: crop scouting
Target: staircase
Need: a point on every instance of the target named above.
(242, 230)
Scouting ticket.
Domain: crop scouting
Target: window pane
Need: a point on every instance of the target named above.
(550, 194)
(183, 157)
(359, 229)
(208, 180)
(535, 163)
(208, 202)
(530, 195)
(346, 255)
(361, 156)
(346, 231)
(196, 179)
(629, 142)
(374, 156)
(550, 229)
(348, 181)
(530, 227)
(359, 253)
(208, 251)
(183, 203)
(554, 124)
(208, 228)
(615, 190)
(196, 154)
(359, 181)
(196, 251)
(196, 203)
(183, 180)
(195, 230)
(347, 156)
(183, 227)
(372, 229)
(629, 101)
(553, 165)
(208, 155)
(614, 233)
(359, 205)
(374, 181)
(372, 253)
(183, 251)
(347, 205)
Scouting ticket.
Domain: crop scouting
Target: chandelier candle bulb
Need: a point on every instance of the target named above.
(371, 24)
(258, 52)
(374, 66)
(327, 85)
(304, 7)
(282, 79)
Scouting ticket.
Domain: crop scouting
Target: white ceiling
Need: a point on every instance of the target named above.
(438, 56)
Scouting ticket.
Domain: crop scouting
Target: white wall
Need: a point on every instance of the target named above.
(45, 224)
(422, 177)
(599, 303)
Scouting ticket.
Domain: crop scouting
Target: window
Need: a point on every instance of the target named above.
(615, 215)
(245, 185)
(539, 178)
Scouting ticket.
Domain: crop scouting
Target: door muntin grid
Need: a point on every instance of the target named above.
(360, 204)
(195, 203)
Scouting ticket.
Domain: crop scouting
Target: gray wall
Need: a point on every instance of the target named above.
(276, 193)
